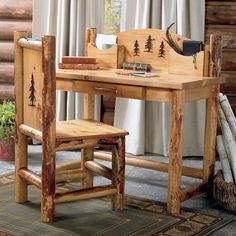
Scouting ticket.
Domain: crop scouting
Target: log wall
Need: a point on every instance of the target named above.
(221, 19)
(14, 15)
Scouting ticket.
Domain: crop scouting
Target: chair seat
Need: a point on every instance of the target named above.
(85, 129)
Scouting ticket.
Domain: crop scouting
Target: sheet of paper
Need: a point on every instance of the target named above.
(104, 41)
(145, 75)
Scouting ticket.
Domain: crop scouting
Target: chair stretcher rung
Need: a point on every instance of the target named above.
(95, 192)
(31, 177)
(194, 190)
(73, 174)
(31, 132)
(99, 169)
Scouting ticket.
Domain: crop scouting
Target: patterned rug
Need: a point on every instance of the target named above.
(94, 217)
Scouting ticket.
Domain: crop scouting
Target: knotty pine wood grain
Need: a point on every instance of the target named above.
(85, 129)
(175, 150)
(33, 114)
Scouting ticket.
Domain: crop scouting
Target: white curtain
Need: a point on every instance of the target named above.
(68, 19)
(148, 122)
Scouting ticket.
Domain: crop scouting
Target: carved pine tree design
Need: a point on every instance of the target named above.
(136, 48)
(149, 44)
(162, 50)
(32, 92)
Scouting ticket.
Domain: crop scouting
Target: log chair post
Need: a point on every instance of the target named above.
(49, 129)
(118, 173)
(175, 151)
(87, 154)
(21, 139)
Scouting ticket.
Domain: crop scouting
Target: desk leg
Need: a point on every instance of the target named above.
(175, 151)
(87, 154)
(210, 135)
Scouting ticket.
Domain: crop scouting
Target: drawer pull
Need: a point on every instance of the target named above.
(106, 90)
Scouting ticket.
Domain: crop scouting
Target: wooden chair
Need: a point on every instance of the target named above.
(35, 88)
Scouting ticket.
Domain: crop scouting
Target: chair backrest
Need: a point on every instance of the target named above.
(150, 46)
(35, 82)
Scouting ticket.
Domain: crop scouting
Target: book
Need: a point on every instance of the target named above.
(69, 66)
(78, 60)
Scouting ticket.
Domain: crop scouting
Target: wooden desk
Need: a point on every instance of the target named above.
(173, 89)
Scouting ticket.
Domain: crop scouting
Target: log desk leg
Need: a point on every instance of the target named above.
(175, 151)
(174, 168)
(88, 153)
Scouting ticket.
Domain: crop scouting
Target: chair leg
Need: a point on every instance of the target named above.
(20, 162)
(86, 155)
(118, 174)
(48, 186)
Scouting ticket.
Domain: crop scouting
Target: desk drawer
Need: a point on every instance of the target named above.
(115, 90)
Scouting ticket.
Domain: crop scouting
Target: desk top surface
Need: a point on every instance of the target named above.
(165, 80)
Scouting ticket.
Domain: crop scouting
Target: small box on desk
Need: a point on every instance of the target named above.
(112, 57)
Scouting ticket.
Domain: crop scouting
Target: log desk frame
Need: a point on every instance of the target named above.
(173, 88)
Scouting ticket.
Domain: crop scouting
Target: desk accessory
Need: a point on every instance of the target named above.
(108, 58)
(137, 66)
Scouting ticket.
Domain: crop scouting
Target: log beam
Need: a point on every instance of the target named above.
(98, 169)
(193, 191)
(152, 165)
(64, 175)
(6, 51)
(6, 92)
(31, 132)
(31, 177)
(7, 28)
(82, 194)
(7, 72)
(15, 9)
(69, 166)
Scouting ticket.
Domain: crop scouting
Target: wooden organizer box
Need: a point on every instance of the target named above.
(148, 46)
(107, 58)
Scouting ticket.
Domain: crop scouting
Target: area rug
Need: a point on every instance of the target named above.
(95, 217)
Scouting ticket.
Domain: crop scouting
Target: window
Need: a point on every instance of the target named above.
(112, 16)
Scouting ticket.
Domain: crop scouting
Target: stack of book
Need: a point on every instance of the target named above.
(79, 63)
